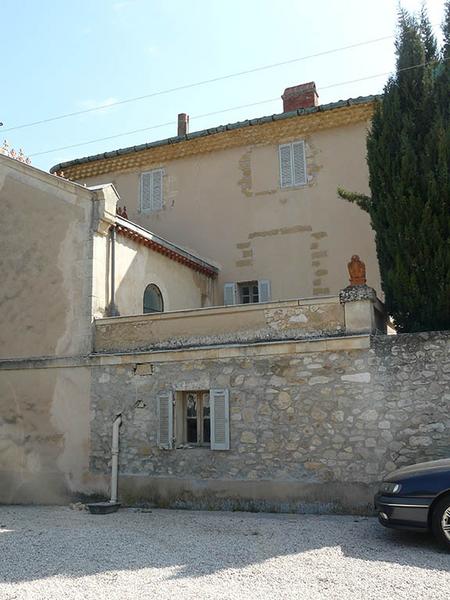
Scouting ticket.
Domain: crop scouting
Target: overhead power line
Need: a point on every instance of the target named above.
(198, 83)
(218, 112)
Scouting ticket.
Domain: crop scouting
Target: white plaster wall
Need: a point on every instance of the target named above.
(138, 266)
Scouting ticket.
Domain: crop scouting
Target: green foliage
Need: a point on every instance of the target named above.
(408, 155)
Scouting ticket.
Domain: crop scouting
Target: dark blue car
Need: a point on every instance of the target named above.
(418, 498)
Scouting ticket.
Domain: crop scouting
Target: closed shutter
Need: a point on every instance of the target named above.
(165, 420)
(146, 192)
(286, 179)
(152, 190)
(229, 294)
(220, 419)
(157, 191)
(264, 290)
(299, 163)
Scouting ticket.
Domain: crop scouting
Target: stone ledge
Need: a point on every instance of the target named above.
(355, 293)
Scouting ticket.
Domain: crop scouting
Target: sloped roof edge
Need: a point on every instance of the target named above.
(137, 233)
(215, 130)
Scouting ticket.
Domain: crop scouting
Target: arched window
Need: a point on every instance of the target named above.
(153, 300)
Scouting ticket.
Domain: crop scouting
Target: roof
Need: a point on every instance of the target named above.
(302, 112)
(140, 235)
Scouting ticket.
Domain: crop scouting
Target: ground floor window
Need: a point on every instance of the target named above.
(194, 418)
(197, 418)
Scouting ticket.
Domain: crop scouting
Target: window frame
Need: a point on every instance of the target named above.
(200, 418)
(153, 286)
(251, 285)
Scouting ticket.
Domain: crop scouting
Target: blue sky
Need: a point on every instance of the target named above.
(61, 57)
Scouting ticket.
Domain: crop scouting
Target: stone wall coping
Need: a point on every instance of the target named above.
(217, 310)
(356, 342)
(47, 178)
(350, 342)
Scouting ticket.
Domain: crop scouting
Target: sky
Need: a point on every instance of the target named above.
(65, 57)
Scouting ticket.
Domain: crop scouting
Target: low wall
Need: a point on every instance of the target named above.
(322, 421)
(314, 424)
(224, 324)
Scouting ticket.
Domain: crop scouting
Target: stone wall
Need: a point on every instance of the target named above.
(316, 428)
(289, 319)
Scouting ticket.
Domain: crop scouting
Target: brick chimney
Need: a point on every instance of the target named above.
(183, 124)
(300, 96)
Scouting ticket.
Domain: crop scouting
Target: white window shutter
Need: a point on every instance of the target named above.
(146, 192)
(220, 419)
(165, 420)
(264, 290)
(157, 189)
(286, 179)
(299, 163)
(230, 294)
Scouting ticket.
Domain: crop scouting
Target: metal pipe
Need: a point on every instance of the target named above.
(113, 268)
(112, 308)
(115, 458)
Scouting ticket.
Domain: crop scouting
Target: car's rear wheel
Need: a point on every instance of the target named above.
(440, 521)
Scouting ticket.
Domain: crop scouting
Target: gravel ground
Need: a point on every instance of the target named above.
(58, 553)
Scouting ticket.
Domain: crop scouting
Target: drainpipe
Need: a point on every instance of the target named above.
(112, 308)
(115, 458)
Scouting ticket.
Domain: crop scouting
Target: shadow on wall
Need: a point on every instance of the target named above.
(38, 543)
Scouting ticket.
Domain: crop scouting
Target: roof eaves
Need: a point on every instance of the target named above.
(191, 259)
(219, 129)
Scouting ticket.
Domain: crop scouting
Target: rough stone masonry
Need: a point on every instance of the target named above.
(314, 430)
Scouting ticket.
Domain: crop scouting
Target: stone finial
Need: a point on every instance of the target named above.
(6, 150)
(357, 271)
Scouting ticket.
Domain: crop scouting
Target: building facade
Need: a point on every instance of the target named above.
(246, 373)
(259, 198)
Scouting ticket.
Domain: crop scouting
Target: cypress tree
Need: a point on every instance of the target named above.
(408, 156)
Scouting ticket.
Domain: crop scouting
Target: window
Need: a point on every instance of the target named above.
(194, 419)
(151, 191)
(153, 300)
(197, 418)
(246, 292)
(293, 164)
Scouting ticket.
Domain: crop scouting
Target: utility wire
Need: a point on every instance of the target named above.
(218, 112)
(198, 83)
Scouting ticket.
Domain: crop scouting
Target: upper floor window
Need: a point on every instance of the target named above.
(292, 164)
(153, 300)
(151, 195)
(246, 292)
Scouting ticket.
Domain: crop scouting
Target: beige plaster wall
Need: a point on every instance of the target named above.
(228, 205)
(44, 263)
(44, 434)
(138, 266)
